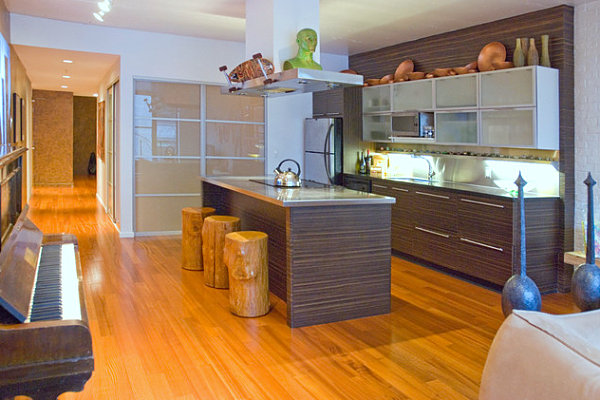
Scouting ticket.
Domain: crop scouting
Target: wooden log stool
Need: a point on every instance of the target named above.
(213, 239)
(191, 236)
(246, 259)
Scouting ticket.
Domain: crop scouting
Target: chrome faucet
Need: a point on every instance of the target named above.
(430, 171)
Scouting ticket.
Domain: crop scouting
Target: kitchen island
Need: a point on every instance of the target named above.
(329, 247)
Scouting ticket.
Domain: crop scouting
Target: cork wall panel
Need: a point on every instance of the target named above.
(52, 138)
(84, 133)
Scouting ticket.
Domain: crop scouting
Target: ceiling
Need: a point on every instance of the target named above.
(346, 26)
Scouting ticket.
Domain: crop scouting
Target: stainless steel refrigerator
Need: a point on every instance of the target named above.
(323, 150)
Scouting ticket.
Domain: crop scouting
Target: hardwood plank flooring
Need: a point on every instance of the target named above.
(159, 333)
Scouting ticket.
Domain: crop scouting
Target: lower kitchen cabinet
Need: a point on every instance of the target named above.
(357, 182)
(475, 234)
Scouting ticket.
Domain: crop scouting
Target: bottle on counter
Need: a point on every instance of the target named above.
(368, 161)
(357, 168)
(363, 164)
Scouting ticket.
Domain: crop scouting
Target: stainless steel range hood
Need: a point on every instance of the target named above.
(292, 81)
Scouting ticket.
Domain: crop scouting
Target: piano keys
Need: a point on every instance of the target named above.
(45, 342)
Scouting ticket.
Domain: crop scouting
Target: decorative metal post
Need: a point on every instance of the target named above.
(520, 292)
(586, 277)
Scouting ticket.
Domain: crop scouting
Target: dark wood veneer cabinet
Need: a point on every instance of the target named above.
(328, 103)
(474, 234)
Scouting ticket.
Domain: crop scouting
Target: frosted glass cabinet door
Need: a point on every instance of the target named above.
(509, 128)
(412, 96)
(456, 91)
(510, 87)
(376, 98)
(376, 128)
(456, 127)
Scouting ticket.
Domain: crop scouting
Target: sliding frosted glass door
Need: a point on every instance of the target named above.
(183, 131)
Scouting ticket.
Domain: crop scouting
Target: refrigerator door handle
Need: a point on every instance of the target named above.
(326, 153)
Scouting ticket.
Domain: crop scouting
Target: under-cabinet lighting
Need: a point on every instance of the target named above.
(95, 94)
(68, 61)
(64, 86)
(67, 76)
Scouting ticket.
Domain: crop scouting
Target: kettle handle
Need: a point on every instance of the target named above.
(289, 159)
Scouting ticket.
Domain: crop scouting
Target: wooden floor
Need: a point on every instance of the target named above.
(159, 333)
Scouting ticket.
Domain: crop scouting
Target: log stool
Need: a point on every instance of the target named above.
(213, 238)
(191, 236)
(246, 259)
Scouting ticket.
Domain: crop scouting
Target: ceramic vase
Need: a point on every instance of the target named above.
(545, 57)
(585, 284)
(532, 54)
(518, 55)
(524, 46)
(520, 292)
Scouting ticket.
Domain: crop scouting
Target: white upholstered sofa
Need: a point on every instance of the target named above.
(542, 356)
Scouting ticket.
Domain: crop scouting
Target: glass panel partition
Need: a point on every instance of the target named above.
(183, 131)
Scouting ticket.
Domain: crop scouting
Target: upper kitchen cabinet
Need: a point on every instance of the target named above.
(376, 99)
(328, 103)
(456, 92)
(413, 96)
(520, 108)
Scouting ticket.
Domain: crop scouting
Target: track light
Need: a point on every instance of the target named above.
(99, 16)
(105, 5)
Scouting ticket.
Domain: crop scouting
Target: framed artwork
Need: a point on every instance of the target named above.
(100, 144)
(17, 118)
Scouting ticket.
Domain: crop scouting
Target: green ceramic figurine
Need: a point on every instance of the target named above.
(307, 43)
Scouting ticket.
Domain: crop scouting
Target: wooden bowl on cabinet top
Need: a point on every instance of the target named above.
(386, 79)
(503, 65)
(492, 53)
(413, 76)
(404, 68)
(372, 82)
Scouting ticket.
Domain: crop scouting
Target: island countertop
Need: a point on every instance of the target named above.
(297, 197)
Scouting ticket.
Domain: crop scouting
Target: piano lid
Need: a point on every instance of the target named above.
(18, 265)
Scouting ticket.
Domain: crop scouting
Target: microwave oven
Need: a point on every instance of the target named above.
(413, 124)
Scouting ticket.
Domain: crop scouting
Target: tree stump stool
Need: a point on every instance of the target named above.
(246, 259)
(213, 239)
(191, 236)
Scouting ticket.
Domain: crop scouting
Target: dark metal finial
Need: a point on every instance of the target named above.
(589, 180)
(590, 253)
(520, 182)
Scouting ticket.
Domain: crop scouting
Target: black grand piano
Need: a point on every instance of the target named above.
(45, 342)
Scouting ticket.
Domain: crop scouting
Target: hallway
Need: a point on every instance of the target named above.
(159, 333)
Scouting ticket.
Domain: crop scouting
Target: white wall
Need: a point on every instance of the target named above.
(143, 54)
(587, 111)
(108, 80)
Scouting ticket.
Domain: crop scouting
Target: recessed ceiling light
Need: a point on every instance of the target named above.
(99, 16)
(67, 76)
(64, 86)
(68, 61)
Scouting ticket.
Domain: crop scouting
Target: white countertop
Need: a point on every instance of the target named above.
(298, 197)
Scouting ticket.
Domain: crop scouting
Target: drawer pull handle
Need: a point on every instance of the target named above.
(432, 232)
(483, 203)
(434, 195)
(380, 186)
(487, 246)
(400, 189)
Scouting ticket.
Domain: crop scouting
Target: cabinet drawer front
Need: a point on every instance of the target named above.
(435, 210)
(485, 263)
(434, 248)
(401, 238)
(486, 220)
